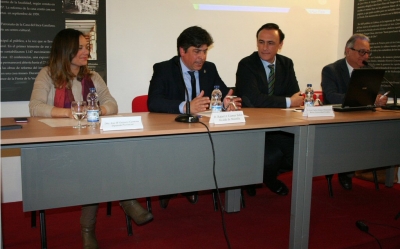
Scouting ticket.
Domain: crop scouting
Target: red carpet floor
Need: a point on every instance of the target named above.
(264, 223)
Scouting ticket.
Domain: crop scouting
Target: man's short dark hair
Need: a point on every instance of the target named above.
(272, 26)
(193, 36)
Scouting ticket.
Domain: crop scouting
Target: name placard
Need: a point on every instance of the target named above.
(318, 111)
(121, 123)
(227, 117)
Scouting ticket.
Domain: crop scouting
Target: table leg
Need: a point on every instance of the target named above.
(43, 237)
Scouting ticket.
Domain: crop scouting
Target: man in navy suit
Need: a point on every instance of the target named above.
(336, 78)
(167, 92)
(267, 79)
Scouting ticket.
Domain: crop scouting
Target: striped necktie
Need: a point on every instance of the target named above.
(271, 79)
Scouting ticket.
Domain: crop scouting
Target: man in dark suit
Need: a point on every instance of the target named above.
(336, 78)
(267, 79)
(170, 78)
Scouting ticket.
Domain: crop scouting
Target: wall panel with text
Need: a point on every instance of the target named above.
(27, 32)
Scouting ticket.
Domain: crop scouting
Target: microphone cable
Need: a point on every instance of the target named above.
(221, 208)
(364, 228)
(361, 224)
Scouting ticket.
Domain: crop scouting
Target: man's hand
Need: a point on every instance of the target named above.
(237, 101)
(381, 100)
(296, 100)
(198, 104)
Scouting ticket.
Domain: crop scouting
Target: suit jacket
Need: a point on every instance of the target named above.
(335, 80)
(252, 82)
(167, 88)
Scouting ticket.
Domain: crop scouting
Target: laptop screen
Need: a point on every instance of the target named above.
(363, 87)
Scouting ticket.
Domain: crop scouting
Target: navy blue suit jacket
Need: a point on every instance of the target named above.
(334, 82)
(167, 88)
(252, 82)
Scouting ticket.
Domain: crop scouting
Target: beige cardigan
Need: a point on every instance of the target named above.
(42, 98)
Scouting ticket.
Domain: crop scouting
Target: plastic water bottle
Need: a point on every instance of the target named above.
(309, 96)
(216, 96)
(93, 108)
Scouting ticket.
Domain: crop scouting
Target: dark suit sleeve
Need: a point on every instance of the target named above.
(330, 85)
(161, 97)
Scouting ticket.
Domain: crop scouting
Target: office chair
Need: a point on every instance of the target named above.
(139, 104)
(42, 220)
(329, 177)
(33, 214)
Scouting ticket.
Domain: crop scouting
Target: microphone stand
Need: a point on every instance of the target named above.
(388, 107)
(186, 117)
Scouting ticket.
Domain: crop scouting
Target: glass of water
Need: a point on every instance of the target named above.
(78, 109)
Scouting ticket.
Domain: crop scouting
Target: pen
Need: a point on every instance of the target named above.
(385, 94)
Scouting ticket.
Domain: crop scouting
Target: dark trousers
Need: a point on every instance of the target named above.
(278, 157)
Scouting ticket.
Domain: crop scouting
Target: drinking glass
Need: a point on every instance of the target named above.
(232, 103)
(79, 112)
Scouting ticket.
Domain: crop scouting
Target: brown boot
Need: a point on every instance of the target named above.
(89, 238)
(88, 225)
(134, 210)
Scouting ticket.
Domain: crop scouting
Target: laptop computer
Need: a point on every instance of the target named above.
(362, 90)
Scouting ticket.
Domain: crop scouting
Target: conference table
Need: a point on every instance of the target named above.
(62, 166)
(348, 141)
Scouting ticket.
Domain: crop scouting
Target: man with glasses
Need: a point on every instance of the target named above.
(336, 78)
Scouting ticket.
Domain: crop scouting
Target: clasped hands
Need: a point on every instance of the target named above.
(296, 100)
(202, 103)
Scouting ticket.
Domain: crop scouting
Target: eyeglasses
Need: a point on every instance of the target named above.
(362, 52)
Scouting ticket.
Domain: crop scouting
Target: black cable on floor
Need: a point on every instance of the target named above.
(222, 208)
(364, 227)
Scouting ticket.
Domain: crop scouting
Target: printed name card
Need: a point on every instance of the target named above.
(121, 123)
(227, 117)
(318, 111)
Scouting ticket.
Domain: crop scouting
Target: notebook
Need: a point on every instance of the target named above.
(361, 93)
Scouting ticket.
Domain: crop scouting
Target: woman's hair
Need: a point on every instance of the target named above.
(64, 48)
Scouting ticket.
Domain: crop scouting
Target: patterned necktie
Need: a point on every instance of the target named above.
(271, 79)
(193, 82)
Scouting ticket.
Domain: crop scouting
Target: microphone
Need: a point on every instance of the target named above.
(394, 106)
(362, 226)
(186, 117)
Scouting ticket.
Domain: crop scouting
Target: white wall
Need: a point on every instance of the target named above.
(141, 33)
